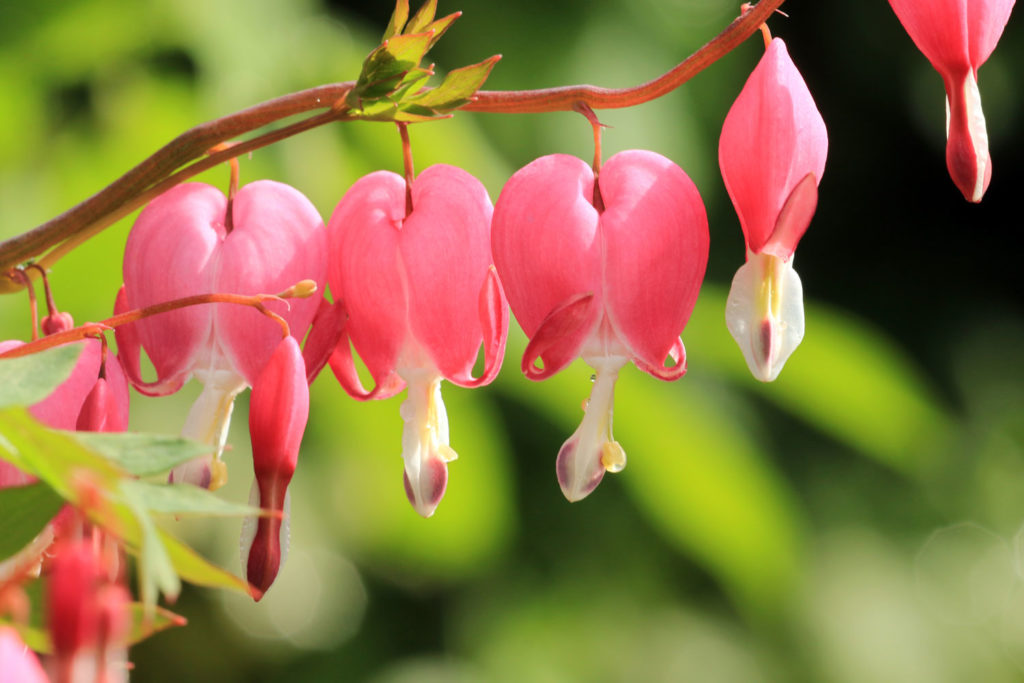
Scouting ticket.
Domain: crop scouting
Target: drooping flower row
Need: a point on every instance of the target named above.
(604, 266)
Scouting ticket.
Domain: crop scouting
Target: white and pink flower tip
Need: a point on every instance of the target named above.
(772, 155)
(957, 37)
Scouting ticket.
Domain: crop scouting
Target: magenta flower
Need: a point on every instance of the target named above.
(278, 411)
(610, 283)
(180, 246)
(772, 155)
(957, 37)
(421, 296)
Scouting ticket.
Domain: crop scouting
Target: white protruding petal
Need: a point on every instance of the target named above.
(425, 448)
(978, 132)
(592, 450)
(207, 422)
(765, 313)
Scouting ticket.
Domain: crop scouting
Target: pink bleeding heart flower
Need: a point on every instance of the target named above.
(957, 37)
(610, 285)
(421, 296)
(18, 664)
(278, 411)
(180, 246)
(772, 155)
(89, 618)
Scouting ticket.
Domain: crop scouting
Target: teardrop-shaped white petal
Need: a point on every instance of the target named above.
(765, 313)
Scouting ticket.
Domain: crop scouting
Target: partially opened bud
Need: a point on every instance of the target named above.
(277, 418)
(772, 155)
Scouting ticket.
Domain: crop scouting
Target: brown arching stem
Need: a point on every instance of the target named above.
(187, 155)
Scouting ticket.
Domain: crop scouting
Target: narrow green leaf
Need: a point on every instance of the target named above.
(141, 454)
(29, 379)
(55, 457)
(38, 639)
(412, 82)
(24, 512)
(440, 27)
(398, 19)
(407, 50)
(145, 625)
(414, 114)
(457, 87)
(186, 500)
(194, 569)
(422, 18)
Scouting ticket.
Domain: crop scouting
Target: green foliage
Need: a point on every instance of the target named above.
(114, 500)
(390, 84)
(24, 511)
(29, 379)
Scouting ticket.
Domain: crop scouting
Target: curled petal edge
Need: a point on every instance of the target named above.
(678, 355)
(494, 319)
(129, 346)
(794, 218)
(559, 338)
(343, 365)
(327, 328)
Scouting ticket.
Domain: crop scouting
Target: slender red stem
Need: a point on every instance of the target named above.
(410, 169)
(97, 329)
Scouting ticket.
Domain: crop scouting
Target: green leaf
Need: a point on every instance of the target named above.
(141, 454)
(412, 82)
(457, 87)
(418, 114)
(143, 626)
(29, 379)
(186, 500)
(24, 513)
(440, 27)
(55, 457)
(194, 569)
(398, 19)
(422, 18)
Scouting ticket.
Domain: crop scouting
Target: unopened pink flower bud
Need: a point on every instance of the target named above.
(277, 418)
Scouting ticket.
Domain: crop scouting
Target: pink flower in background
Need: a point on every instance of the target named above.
(421, 297)
(611, 283)
(180, 246)
(18, 664)
(772, 155)
(278, 411)
(84, 401)
(957, 37)
(89, 618)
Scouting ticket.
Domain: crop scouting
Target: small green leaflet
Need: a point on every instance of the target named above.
(29, 379)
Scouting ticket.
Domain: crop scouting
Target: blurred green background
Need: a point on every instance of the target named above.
(858, 520)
